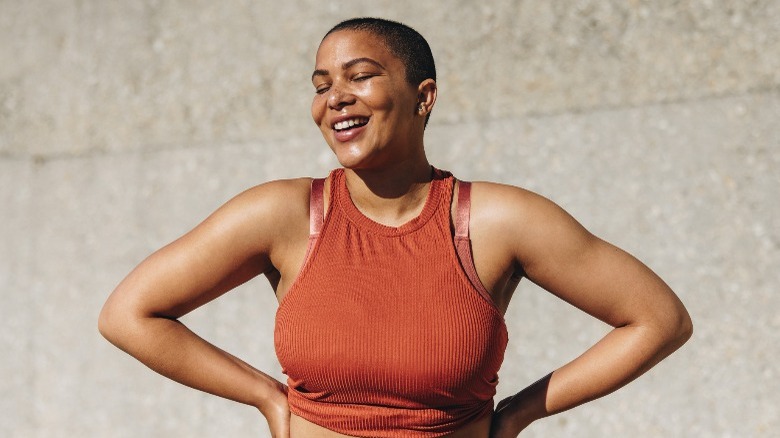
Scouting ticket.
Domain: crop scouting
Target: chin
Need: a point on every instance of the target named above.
(351, 157)
(351, 163)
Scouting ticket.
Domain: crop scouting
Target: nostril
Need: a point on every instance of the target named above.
(337, 98)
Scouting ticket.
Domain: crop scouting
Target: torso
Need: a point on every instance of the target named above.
(496, 277)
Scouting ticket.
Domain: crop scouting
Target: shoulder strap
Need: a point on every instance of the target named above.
(463, 209)
(462, 242)
(316, 201)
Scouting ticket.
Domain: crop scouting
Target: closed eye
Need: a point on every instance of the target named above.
(363, 76)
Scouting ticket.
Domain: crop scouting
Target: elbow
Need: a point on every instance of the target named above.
(114, 322)
(669, 326)
(106, 323)
(679, 328)
(685, 328)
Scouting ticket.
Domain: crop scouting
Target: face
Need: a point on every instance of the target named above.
(364, 107)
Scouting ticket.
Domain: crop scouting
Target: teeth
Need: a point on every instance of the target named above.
(350, 123)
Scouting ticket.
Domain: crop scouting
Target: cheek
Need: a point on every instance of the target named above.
(375, 94)
(317, 109)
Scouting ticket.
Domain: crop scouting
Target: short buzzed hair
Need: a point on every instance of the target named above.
(404, 42)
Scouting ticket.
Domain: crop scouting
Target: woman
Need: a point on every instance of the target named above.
(392, 276)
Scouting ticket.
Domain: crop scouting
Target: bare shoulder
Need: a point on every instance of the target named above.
(282, 197)
(507, 205)
(528, 224)
(266, 212)
(279, 195)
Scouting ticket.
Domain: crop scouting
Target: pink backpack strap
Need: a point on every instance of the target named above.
(316, 206)
(462, 241)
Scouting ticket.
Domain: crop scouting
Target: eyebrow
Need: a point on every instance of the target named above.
(348, 64)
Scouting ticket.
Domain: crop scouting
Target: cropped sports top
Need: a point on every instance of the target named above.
(387, 331)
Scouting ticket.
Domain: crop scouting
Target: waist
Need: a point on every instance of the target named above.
(382, 415)
(302, 428)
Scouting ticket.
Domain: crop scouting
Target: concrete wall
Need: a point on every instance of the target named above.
(122, 124)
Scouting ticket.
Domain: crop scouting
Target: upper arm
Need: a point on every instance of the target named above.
(560, 255)
(232, 245)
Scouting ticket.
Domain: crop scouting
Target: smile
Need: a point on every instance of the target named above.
(351, 123)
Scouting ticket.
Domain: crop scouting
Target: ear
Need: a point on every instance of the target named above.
(426, 96)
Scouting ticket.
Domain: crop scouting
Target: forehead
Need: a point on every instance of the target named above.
(344, 45)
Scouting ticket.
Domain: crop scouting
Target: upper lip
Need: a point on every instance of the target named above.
(341, 118)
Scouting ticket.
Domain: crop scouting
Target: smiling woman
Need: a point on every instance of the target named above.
(366, 107)
(392, 276)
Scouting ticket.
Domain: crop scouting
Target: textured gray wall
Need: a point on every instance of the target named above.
(122, 124)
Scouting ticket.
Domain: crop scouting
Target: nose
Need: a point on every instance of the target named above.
(338, 98)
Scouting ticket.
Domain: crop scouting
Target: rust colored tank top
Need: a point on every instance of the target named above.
(387, 332)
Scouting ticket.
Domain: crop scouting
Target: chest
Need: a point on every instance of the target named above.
(374, 312)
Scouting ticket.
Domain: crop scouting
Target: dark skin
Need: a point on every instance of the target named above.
(265, 230)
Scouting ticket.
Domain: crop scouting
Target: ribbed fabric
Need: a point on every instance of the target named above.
(383, 334)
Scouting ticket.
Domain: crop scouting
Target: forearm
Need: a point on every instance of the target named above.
(621, 356)
(171, 349)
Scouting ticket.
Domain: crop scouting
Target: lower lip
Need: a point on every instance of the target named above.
(348, 134)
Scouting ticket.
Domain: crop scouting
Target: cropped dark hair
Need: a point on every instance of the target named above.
(404, 42)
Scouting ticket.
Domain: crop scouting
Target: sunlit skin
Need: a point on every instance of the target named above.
(265, 230)
(355, 75)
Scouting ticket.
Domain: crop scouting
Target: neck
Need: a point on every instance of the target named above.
(392, 195)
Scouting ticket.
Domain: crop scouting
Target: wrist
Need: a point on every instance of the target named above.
(530, 404)
(520, 412)
(272, 395)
